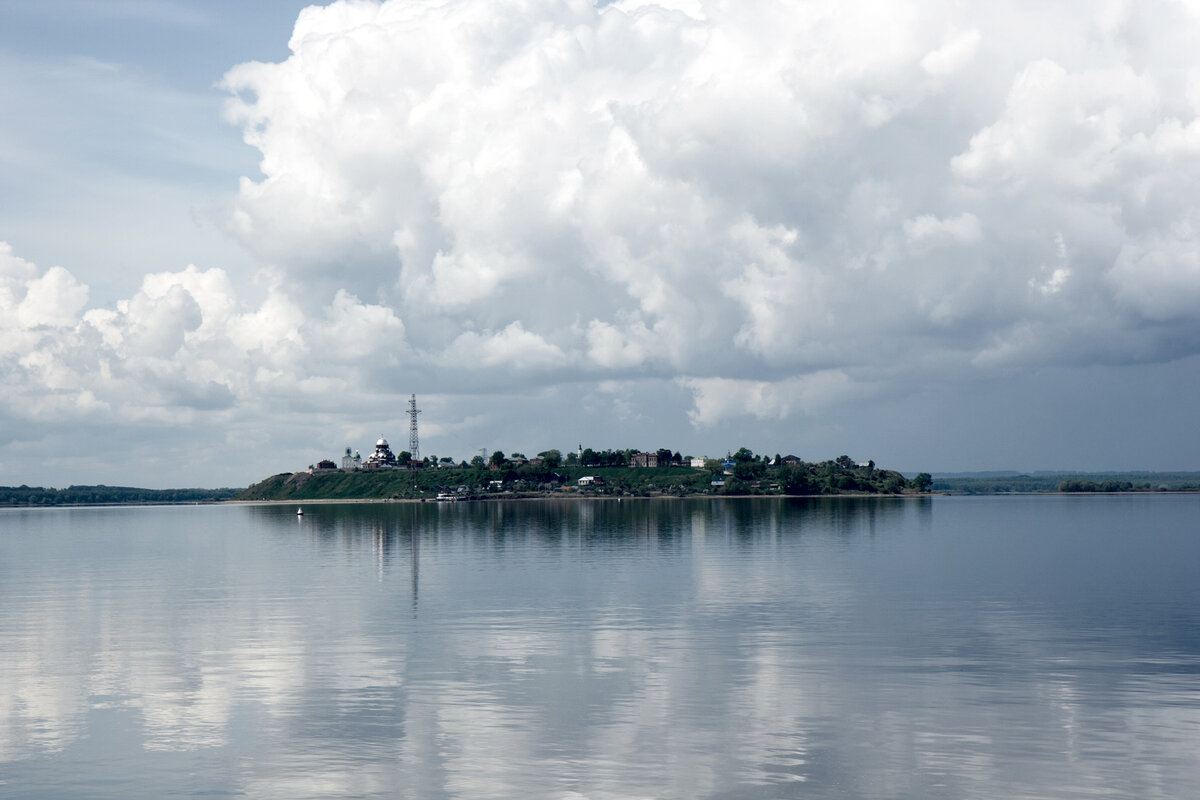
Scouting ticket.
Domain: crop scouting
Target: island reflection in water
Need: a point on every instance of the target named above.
(990, 647)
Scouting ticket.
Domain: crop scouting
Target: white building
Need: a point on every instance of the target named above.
(382, 458)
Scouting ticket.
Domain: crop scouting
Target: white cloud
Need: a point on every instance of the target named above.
(512, 347)
(1159, 275)
(1061, 129)
(716, 399)
(952, 55)
(629, 343)
(928, 229)
(184, 343)
(54, 300)
(691, 180)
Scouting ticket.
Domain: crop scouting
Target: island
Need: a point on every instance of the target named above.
(585, 473)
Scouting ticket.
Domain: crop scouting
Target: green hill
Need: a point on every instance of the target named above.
(746, 478)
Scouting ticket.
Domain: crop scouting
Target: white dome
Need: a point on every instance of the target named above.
(382, 442)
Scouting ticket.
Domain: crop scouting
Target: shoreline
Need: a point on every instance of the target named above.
(580, 498)
(568, 497)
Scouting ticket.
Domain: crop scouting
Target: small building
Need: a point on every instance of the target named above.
(698, 462)
(791, 461)
(351, 461)
(591, 480)
(326, 466)
(643, 460)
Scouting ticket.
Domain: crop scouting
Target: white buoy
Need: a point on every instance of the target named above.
(299, 512)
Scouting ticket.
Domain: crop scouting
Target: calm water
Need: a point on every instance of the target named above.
(1020, 647)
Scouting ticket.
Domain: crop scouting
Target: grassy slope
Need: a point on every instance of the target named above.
(821, 478)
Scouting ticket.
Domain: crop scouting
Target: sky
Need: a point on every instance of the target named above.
(941, 234)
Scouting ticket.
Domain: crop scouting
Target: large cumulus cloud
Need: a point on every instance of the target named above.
(803, 193)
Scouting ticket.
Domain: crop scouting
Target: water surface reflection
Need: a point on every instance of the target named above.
(757, 648)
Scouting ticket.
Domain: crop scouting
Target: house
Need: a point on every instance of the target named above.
(326, 466)
(643, 460)
(791, 461)
(591, 480)
(698, 463)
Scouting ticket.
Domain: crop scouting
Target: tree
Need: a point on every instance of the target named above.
(923, 482)
(497, 459)
(664, 457)
(796, 480)
(572, 459)
(743, 455)
(845, 462)
(732, 486)
(589, 457)
(748, 470)
(550, 458)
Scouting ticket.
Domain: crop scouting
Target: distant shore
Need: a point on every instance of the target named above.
(573, 498)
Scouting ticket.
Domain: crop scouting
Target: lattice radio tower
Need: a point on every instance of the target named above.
(414, 445)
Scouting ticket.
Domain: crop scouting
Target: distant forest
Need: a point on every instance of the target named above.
(1068, 482)
(106, 495)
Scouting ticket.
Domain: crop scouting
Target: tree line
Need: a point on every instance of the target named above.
(106, 495)
(1070, 482)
